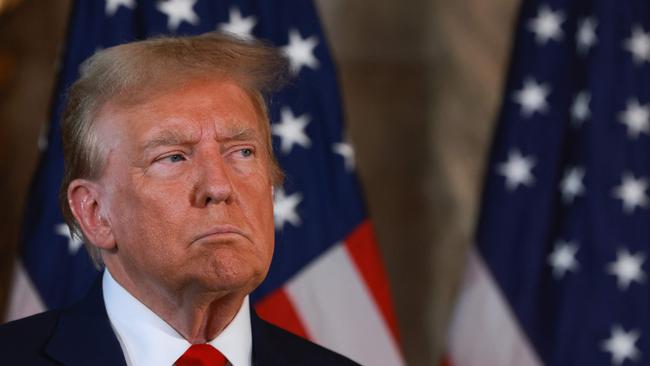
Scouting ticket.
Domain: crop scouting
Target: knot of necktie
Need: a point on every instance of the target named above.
(202, 355)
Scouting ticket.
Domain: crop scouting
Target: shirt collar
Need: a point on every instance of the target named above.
(147, 340)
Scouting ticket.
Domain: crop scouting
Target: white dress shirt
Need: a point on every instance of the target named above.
(147, 340)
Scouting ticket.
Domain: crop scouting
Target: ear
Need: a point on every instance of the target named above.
(84, 198)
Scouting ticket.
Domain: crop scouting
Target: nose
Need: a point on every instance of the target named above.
(213, 184)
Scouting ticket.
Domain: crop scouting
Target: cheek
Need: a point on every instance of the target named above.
(265, 222)
(144, 237)
(267, 225)
(148, 216)
(256, 203)
(259, 199)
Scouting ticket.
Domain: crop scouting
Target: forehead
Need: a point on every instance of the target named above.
(219, 105)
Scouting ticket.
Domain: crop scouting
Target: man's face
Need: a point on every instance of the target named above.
(187, 191)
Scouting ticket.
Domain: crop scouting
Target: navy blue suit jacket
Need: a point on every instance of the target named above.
(82, 335)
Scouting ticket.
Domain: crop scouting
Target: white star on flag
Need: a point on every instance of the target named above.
(113, 5)
(238, 25)
(563, 258)
(580, 108)
(547, 25)
(627, 268)
(632, 192)
(291, 130)
(636, 117)
(347, 152)
(586, 34)
(639, 45)
(571, 185)
(74, 243)
(532, 97)
(178, 11)
(517, 170)
(621, 345)
(284, 208)
(300, 51)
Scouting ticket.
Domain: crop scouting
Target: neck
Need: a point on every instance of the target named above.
(199, 316)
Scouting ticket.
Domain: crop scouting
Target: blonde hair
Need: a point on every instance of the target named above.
(128, 74)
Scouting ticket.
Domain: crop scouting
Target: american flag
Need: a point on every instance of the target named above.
(558, 275)
(326, 281)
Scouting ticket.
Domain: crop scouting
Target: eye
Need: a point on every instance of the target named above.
(246, 152)
(175, 158)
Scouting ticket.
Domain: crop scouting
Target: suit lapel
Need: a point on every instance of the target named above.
(84, 335)
(262, 352)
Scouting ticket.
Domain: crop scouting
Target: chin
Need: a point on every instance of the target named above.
(235, 278)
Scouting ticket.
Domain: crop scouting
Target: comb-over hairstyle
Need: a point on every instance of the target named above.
(132, 73)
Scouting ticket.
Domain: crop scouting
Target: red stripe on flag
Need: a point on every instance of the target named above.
(362, 248)
(276, 308)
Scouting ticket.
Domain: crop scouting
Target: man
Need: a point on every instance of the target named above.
(169, 179)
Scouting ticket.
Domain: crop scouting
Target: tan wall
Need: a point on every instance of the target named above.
(30, 37)
(421, 83)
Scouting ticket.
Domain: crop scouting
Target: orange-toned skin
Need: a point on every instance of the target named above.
(183, 211)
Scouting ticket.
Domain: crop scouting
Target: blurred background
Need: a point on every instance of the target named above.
(421, 82)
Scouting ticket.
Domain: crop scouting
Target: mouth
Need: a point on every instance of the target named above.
(220, 231)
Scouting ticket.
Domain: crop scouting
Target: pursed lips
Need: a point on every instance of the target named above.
(221, 230)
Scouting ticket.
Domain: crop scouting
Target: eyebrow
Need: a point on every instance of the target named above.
(239, 134)
(170, 138)
(167, 138)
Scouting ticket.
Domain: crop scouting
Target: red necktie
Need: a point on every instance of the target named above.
(202, 355)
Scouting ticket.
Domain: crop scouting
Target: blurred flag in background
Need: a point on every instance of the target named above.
(326, 281)
(558, 275)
